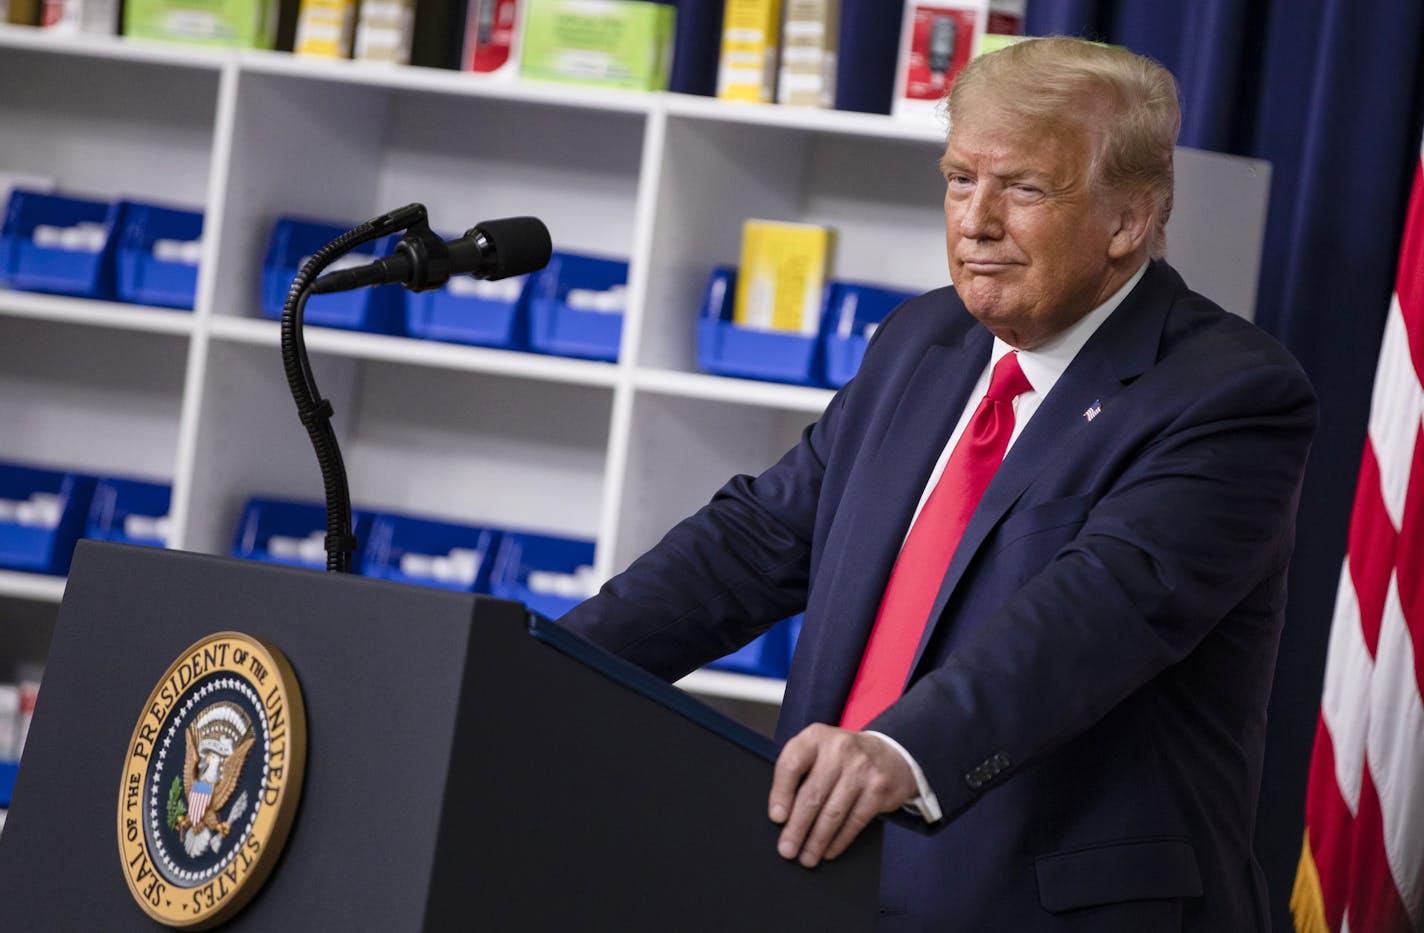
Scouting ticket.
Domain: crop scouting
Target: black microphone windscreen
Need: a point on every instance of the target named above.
(521, 244)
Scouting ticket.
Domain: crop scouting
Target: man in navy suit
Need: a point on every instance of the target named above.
(1078, 713)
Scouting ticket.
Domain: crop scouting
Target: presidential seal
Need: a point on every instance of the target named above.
(211, 781)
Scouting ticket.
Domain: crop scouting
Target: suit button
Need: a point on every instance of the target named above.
(974, 779)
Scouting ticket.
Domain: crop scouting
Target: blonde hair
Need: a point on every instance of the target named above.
(1064, 82)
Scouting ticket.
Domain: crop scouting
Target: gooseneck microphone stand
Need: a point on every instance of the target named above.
(316, 412)
(422, 261)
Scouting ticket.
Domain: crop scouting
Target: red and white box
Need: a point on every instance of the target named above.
(492, 38)
(937, 39)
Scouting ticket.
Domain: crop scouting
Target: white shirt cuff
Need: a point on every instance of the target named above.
(926, 805)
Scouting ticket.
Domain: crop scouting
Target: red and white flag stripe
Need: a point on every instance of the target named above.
(1362, 863)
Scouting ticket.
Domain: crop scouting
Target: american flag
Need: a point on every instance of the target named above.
(198, 796)
(1362, 863)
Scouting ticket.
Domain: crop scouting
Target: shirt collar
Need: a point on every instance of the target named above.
(1044, 364)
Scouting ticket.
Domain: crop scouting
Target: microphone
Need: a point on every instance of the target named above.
(492, 249)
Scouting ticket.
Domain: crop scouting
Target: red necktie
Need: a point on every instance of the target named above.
(924, 559)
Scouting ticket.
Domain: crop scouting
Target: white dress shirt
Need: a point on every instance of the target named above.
(1042, 366)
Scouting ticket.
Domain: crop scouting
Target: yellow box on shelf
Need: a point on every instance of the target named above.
(325, 28)
(746, 69)
(782, 276)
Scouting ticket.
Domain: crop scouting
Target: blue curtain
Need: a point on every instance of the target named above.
(1329, 92)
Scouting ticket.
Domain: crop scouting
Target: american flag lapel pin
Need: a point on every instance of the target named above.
(1094, 410)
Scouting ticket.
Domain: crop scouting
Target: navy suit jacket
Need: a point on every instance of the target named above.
(1088, 701)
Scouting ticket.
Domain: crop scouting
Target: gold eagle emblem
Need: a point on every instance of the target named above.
(218, 741)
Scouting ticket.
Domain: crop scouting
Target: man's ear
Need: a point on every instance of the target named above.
(1133, 226)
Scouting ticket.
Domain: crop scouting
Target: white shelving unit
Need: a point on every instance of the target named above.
(31, 586)
(613, 451)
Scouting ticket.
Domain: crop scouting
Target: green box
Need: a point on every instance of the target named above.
(606, 43)
(249, 24)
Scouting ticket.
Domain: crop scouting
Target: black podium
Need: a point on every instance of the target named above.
(468, 768)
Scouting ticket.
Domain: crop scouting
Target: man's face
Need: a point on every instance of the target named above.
(1033, 243)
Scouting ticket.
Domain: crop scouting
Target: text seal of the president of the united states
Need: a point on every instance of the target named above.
(212, 778)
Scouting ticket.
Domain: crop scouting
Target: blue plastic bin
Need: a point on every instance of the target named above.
(157, 255)
(282, 531)
(470, 310)
(42, 514)
(8, 771)
(541, 571)
(430, 553)
(852, 310)
(129, 510)
(767, 655)
(380, 310)
(562, 328)
(52, 265)
(724, 349)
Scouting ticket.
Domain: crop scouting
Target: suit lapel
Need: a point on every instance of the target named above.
(1121, 350)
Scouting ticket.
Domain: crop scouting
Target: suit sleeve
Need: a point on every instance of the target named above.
(1200, 522)
(723, 576)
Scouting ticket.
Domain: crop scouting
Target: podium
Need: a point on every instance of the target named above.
(468, 767)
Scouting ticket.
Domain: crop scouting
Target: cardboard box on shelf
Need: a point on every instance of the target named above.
(747, 67)
(623, 44)
(809, 39)
(326, 28)
(238, 23)
(492, 30)
(782, 276)
(937, 39)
